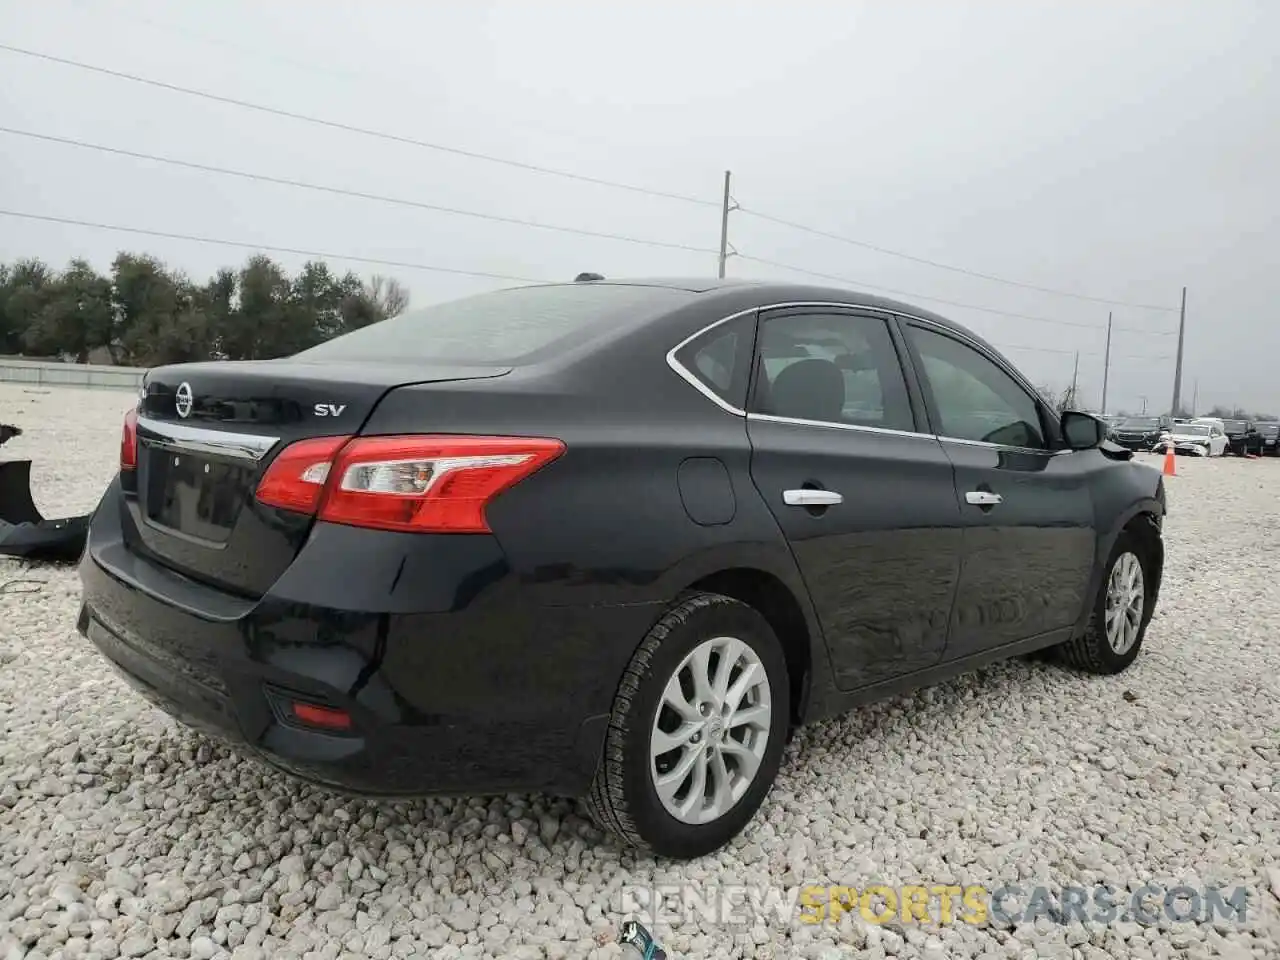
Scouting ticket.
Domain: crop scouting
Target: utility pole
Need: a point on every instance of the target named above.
(1177, 372)
(1075, 379)
(1106, 366)
(1144, 404)
(724, 225)
(1195, 396)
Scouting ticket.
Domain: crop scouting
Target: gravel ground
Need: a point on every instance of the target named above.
(123, 835)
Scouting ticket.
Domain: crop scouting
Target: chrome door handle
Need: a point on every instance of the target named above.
(811, 498)
(983, 498)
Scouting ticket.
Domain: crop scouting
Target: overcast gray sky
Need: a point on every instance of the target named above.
(1120, 150)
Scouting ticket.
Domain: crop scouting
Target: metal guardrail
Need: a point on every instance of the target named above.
(50, 373)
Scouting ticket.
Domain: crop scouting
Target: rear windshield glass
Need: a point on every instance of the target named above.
(1270, 429)
(504, 326)
(1192, 430)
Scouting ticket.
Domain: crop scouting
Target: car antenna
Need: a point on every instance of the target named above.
(587, 277)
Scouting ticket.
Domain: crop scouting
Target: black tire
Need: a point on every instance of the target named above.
(623, 799)
(1092, 651)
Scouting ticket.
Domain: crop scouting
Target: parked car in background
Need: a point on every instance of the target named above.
(1212, 421)
(609, 539)
(1195, 439)
(1138, 433)
(1270, 433)
(1243, 437)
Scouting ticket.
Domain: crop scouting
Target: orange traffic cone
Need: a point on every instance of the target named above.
(1169, 469)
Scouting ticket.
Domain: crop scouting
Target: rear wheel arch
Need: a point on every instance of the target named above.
(778, 604)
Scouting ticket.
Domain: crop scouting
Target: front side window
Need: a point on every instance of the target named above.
(974, 397)
(830, 367)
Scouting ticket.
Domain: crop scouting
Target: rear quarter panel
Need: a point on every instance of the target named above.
(606, 523)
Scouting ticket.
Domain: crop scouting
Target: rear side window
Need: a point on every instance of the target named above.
(721, 358)
(828, 366)
(505, 326)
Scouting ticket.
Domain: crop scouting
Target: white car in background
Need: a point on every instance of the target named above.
(1196, 439)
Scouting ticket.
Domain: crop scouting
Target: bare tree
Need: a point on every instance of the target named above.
(388, 294)
(1059, 400)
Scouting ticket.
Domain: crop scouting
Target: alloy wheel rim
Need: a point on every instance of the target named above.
(1126, 599)
(710, 730)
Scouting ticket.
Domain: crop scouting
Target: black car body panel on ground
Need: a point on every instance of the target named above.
(425, 557)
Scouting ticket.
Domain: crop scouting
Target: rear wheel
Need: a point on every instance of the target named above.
(697, 730)
(1121, 612)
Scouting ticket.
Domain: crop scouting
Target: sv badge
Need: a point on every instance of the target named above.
(329, 409)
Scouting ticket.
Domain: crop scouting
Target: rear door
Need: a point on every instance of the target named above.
(1029, 534)
(866, 500)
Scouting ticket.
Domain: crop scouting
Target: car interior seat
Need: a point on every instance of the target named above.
(811, 389)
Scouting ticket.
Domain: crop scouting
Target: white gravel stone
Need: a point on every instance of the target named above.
(122, 834)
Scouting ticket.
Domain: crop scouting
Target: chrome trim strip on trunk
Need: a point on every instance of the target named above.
(178, 436)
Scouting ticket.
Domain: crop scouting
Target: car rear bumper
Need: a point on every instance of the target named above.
(486, 695)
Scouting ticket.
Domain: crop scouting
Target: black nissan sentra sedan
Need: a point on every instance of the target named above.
(612, 540)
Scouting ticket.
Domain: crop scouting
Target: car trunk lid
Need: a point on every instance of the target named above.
(207, 433)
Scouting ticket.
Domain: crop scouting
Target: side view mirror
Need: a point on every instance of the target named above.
(1082, 431)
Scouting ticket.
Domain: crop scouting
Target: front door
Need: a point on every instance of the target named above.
(1029, 529)
(866, 501)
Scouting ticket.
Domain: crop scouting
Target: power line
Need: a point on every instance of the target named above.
(548, 171)
(360, 195)
(1084, 353)
(362, 131)
(383, 81)
(953, 303)
(168, 235)
(244, 48)
(262, 246)
(946, 266)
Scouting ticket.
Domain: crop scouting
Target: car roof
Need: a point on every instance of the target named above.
(781, 291)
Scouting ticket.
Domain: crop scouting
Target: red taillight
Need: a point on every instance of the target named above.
(129, 441)
(420, 484)
(313, 715)
(296, 478)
